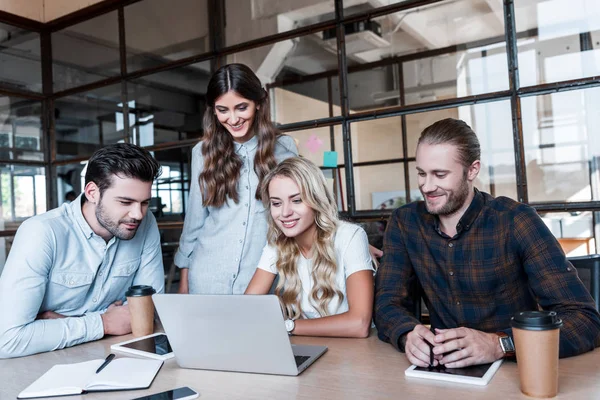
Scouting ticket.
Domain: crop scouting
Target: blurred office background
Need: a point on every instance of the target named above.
(360, 78)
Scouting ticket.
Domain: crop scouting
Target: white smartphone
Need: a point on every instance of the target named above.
(182, 393)
(155, 346)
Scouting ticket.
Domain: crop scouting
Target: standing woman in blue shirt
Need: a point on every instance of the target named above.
(225, 226)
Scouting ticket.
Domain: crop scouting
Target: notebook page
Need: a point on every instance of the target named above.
(62, 379)
(125, 373)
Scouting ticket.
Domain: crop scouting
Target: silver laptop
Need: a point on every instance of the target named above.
(243, 333)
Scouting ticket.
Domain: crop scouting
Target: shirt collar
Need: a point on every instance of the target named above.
(75, 206)
(466, 221)
(249, 145)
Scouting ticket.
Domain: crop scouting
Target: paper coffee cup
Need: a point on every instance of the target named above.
(141, 309)
(536, 335)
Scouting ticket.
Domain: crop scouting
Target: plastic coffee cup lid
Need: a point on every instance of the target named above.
(536, 320)
(140, 290)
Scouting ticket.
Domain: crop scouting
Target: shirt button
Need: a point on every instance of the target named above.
(451, 273)
(246, 186)
(246, 204)
(234, 276)
(94, 299)
(71, 283)
(568, 268)
(237, 259)
(243, 223)
(458, 303)
(241, 240)
(450, 244)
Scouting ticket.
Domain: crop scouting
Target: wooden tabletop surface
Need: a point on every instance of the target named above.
(351, 369)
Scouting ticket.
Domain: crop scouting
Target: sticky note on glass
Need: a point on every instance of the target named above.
(330, 159)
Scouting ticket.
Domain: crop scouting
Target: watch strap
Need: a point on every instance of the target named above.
(506, 343)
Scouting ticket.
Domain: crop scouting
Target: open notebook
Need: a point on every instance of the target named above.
(68, 379)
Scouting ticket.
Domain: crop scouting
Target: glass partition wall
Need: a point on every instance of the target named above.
(353, 82)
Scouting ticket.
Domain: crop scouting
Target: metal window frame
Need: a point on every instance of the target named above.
(219, 50)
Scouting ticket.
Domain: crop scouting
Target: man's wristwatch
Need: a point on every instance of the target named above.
(290, 325)
(506, 343)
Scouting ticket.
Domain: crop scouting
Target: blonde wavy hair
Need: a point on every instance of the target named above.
(316, 195)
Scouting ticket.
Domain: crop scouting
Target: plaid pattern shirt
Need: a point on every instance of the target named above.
(502, 260)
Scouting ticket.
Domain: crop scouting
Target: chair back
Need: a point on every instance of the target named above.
(588, 269)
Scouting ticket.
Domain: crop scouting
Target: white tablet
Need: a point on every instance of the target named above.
(474, 375)
(155, 346)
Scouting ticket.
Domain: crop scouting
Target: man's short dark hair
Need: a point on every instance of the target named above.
(457, 133)
(125, 160)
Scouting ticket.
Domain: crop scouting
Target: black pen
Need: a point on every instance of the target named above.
(431, 350)
(105, 363)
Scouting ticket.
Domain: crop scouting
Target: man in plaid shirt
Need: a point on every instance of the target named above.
(479, 261)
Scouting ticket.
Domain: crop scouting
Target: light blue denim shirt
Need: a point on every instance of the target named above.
(57, 263)
(221, 246)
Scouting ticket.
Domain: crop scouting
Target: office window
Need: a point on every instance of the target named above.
(23, 193)
(377, 139)
(20, 59)
(559, 40)
(292, 59)
(354, 7)
(86, 52)
(379, 187)
(478, 65)
(493, 126)
(247, 20)
(69, 177)
(20, 129)
(157, 33)
(5, 245)
(304, 101)
(314, 143)
(574, 231)
(168, 106)
(562, 145)
(87, 121)
(171, 190)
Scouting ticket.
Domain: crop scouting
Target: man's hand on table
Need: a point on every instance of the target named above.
(117, 320)
(461, 347)
(453, 348)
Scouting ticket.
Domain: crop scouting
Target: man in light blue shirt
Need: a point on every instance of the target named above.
(65, 278)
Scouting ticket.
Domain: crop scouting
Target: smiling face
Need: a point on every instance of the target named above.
(291, 214)
(236, 114)
(443, 181)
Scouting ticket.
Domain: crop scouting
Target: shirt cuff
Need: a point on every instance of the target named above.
(94, 328)
(397, 334)
(181, 260)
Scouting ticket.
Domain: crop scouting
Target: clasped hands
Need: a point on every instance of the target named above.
(453, 348)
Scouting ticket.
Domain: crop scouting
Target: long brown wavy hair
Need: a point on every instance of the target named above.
(222, 165)
(315, 193)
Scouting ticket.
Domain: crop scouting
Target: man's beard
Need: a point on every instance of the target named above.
(113, 227)
(456, 199)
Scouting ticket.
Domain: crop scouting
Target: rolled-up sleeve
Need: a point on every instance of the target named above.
(22, 290)
(195, 215)
(555, 283)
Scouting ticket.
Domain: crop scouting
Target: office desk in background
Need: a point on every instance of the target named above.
(351, 369)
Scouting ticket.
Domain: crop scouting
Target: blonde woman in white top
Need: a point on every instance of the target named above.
(325, 270)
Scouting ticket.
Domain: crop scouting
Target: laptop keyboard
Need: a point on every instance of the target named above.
(300, 360)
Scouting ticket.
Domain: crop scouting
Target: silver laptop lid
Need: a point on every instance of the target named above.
(227, 332)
